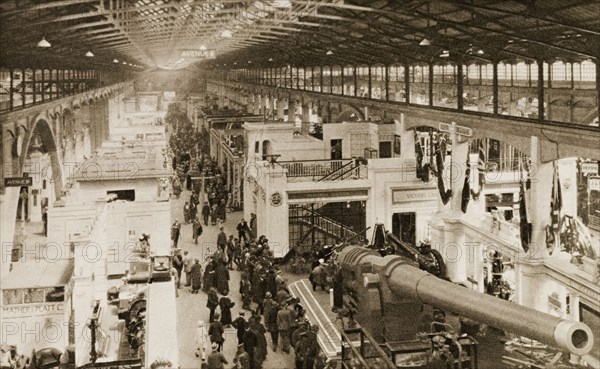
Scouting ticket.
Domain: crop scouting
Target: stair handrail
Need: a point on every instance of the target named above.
(335, 172)
(327, 224)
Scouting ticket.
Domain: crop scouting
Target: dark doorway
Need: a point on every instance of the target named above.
(404, 226)
(336, 149)
(385, 149)
(128, 195)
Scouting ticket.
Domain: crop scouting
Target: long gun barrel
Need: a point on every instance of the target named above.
(406, 280)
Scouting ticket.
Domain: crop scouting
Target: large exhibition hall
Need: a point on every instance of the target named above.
(300, 184)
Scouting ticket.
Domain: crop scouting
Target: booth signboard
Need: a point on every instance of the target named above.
(400, 196)
(589, 168)
(27, 310)
(18, 181)
(594, 183)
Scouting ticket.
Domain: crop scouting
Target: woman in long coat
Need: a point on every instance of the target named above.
(209, 275)
(222, 276)
(261, 347)
(196, 273)
(226, 304)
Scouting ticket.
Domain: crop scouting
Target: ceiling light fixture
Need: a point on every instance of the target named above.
(445, 54)
(125, 63)
(425, 42)
(226, 34)
(480, 52)
(249, 61)
(202, 47)
(270, 59)
(329, 52)
(115, 61)
(89, 54)
(43, 43)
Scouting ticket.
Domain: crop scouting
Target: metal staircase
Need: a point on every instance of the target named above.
(320, 223)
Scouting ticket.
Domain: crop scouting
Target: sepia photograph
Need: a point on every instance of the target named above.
(300, 184)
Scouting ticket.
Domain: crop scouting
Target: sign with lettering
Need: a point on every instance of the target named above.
(400, 196)
(587, 168)
(594, 183)
(26, 310)
(327, 194)
(460, 130)
(18, 181)
(198, 54)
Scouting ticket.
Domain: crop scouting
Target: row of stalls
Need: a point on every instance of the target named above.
(59, 300)
(228, 146)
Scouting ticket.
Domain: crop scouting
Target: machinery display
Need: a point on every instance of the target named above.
(428, 258)
(404, 306)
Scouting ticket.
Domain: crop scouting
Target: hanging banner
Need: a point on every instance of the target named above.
(197, 54)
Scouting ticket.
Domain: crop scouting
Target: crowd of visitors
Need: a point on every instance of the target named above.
(267, 308)
(271, 310)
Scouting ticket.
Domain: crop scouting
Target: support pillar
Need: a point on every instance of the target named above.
(460, 101)
(305, 118)
(454, 250)
(598, 87)
(280, 109)
(407, 82)
(407, 140)
(292, 111)
(430, 81)
(540, 65)
(538, 200)
(256, 104)
(266, 110)
(495, 87)
(86, 142)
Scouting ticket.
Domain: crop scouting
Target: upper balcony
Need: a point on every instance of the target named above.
(325, 170)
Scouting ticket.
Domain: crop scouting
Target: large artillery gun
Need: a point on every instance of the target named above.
(394, 299)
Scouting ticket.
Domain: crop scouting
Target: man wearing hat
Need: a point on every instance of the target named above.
(307, 347)
(212, 303)
(240, 325)
(318, 276)
(284, 324)
(241, 359)
(222, 240)
(178, 265)
(175, 232)
(215, 331)
(187, 268)
(243, 230)
(216, 360)
(270, 312)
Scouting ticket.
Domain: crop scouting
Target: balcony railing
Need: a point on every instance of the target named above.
(315, 169)
(325, 170)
